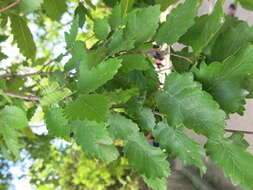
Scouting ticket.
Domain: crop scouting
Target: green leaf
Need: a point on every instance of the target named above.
(233, 159)
(122, 96)
(56, 122)
(88, 107)
(120, 41)
(165, 3)
(181, 65)
(53, 94)
(238, 139)
(55, 8)
(142, 115)
(204, 29)
(95, 140)
(23, 36)
(147, 18)
(81, 12)
(90, 80)
(2, 56)
(14, 117)
(3, 38)
(226, 81)
(185, 103)
(78, 55)
(126, 6)
(146, 159)
(247, 4)
(115, 18)
(28, 6)
(122, 128)
(179, 145)
(156, 183)
(233, 35)
(70, 37)
(178, 22)
(134, 62)
(10, 137)
(101, 28)
(11, 119)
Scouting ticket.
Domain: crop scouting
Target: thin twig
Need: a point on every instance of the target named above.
(162, 52)
(30, 98)
(159, 114)
(182, 57)
(27, 75)
(10, 6)
(39, 72)
(118, 106)
(241, 131)
(145, 51)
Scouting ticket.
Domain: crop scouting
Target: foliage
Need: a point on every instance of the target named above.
(105, 92)
(69, 167)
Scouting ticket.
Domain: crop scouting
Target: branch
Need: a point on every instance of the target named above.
(23, 97)
(10, 6)
(245, 132)
(182, 57)
(9, 76)
(162, 52)
(39, 72)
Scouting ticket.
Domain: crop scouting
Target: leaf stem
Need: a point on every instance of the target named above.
(182, 57)
(30, 98)
(241, 131)
(10, 6)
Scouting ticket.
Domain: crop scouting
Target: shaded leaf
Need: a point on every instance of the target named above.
(134, 62)
(121, 128)
(247, 4)
(56, 122)
(23, 36)
(184, 102)
(88, 107)
(146, 159)
(115, 18)
(53, 94)
(226, 81)
(147, 18)
(28, 6)
(179, 145)
(55, 8)
(204, 29)
(179, 20)
(101, 73)
(157, 183)
(233, 159)
(233, 35)
(95, 140)
(81, 12)
(101, 28)
(11, 119)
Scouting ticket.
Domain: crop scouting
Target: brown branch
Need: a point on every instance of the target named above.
(144, 51)
(241, 131)
(39, 72)
(30, 98)
(163, 52)
(182, 57)
(10, 76)
(159, 114)
(10, 6)
(118, 106)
